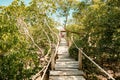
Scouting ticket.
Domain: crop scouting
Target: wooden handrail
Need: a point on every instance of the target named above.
(92, 60)
(51, 61)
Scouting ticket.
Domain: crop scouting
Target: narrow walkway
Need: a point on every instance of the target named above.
(66, 68)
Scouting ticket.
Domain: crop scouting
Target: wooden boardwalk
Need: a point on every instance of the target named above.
(66, 68)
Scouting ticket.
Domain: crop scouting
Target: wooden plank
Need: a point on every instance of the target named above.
(67, 73)
(71, 62)
(63, 64)
(66, 66)
(65, 69)
(63, 56)
(64, 60)
(52, 62)
(80, 60)
(63, 44)
(66, 78)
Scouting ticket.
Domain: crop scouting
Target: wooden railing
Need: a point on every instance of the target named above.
(80, 60)
(51, 63)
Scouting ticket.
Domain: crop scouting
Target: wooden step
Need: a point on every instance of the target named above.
(64, 60)
(67, 73)
(65, 53)
(63, 44)
(66, 78)
(67, 68)
(70, 62)
(63, 56)
(63, 64)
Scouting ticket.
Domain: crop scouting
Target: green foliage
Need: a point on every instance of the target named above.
(18, 65)
(100, 23)
(24, 35)
(99, 36)
(73, 51)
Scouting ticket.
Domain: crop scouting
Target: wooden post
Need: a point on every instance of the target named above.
(80, 59)
(53, 60)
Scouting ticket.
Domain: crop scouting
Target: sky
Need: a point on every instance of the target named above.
(8, 2)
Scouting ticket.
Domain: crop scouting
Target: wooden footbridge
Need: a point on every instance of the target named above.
(66, 68)
(62, 67)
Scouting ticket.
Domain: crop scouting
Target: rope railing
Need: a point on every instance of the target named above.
(52, 57)
(92, 60)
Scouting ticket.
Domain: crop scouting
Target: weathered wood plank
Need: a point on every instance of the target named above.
(65, 69)
(80, 60)
(66, 78)
(67, 73)
(66, 66)
(63, 57)
(64, 60)
(71, 62)
(63, 64)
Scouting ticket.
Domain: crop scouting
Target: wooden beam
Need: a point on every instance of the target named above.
(53, 60)
(80, 59)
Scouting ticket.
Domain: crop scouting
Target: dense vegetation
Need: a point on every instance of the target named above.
(27, 34)
(96, 30)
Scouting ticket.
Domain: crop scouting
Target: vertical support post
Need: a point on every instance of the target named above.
(53, 59)
(80, 59)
